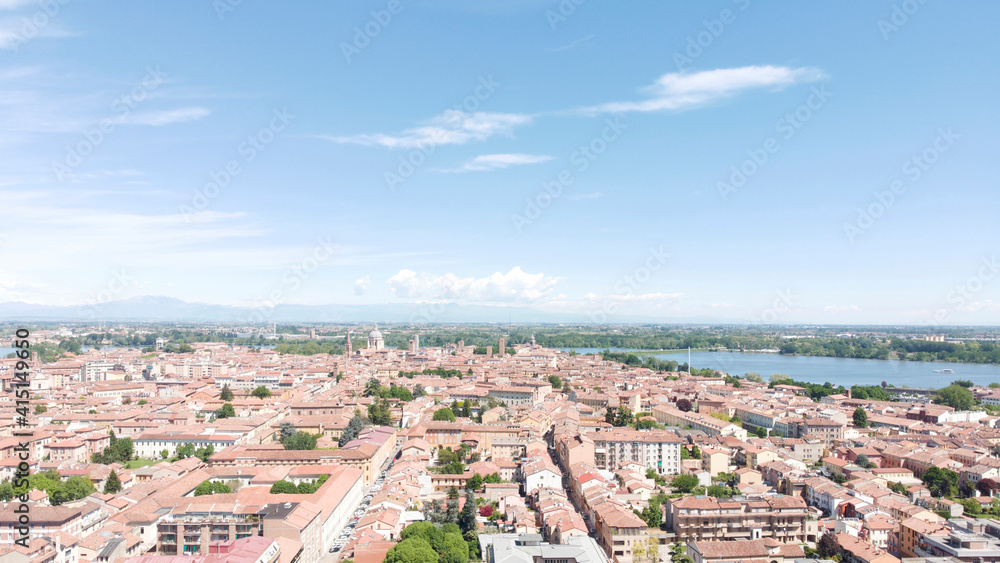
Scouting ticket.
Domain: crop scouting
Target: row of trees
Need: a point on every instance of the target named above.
(303, 488)
(59, 491)
(118, 451)
(212, 488)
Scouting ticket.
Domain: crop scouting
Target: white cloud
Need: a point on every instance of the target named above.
(515, 285)
(680, 90)
(486, 162)
(361, 285)
(453, 127)
(164, 117)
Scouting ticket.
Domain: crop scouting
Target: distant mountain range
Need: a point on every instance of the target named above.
(152, 308)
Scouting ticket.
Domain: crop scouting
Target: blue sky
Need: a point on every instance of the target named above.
(313, 116)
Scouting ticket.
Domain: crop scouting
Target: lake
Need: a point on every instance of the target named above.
(839, 371)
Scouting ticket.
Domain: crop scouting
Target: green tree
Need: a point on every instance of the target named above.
(754, 377)
(39, 409)
(467, 519)
(860, 418)
(474, 483)
(828, 545)
(226, 394)
(283, 487)
(227, 411)
(354, 427)
(556, 381)
(300, 441)
(956, 397)
(941, 482)
(261, 392)
(444, 414)
(624, 417)
(411, 550)
(684, 483)
(898, 488)
(426, 531)
(112, 484)
(378, 413)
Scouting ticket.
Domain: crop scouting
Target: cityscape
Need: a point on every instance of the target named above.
(505, 281)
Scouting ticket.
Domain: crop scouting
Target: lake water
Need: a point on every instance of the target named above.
(839, 371)
(4, 351)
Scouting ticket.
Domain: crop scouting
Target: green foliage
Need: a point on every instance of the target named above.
(303, 488)
(963, 383)
(211, 488)
(684, 483)
(860, 418)
(425, 531)
(467, 521)
(226, 394)
(378, 412)
(185, 451)
(556, 381)
(474, 483)
(261, 392)
(39, 409)
(411, 550)
(444, 414)
(441, 372)
(942, 483)
(816, 391)
(119, 451)
(721, 491)
(354, 427)
(898, 488)
(652, 514)
(300, 441)
(284, 487)
(112, 484)
(828, 545)
(956, 397)
(227, 411)
(51, 482)
(869, 392)
(493, 478)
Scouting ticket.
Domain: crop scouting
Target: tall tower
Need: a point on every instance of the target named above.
(502, 348)
(416, 342)
(347, 344)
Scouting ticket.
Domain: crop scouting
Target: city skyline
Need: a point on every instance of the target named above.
(738, 161)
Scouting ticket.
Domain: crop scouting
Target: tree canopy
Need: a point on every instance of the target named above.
(444, 414)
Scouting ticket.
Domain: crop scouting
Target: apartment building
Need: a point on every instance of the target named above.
(654, 449)
(783, 518)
